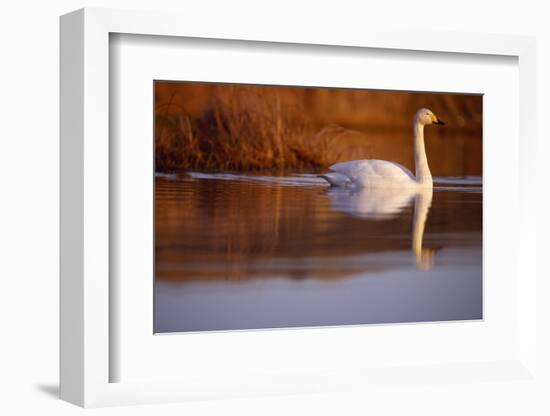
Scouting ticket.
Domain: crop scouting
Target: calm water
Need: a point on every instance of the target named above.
(244, 251)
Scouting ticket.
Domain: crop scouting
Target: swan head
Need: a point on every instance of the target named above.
(426, 116)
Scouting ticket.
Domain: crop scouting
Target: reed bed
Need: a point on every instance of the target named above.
(244, 129)
(201, 126)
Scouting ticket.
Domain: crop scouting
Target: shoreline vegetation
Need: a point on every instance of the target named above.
(226, 127)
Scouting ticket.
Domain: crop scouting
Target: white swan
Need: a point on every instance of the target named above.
(384, 174)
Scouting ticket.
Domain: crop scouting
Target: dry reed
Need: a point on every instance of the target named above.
(201, 126)
(245, 129)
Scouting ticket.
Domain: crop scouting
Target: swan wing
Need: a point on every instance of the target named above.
(375, 173)
(336, 179)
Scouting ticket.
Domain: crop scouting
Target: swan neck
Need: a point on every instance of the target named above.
(423, 174)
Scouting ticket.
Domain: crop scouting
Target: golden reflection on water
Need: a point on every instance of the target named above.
(251, 251)
(235, 227)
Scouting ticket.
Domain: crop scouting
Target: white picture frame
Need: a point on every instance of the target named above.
(86, 356)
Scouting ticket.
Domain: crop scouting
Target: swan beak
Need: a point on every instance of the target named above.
(438, 121)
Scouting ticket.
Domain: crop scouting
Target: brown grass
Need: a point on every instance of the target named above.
(202, 126)
(245, 129)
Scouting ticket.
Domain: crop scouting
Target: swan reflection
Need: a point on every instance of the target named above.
(383, 204)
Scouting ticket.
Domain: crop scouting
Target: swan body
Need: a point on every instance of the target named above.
(385, 174)
(370, 174)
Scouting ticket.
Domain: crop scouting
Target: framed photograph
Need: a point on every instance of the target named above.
(271, 212)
